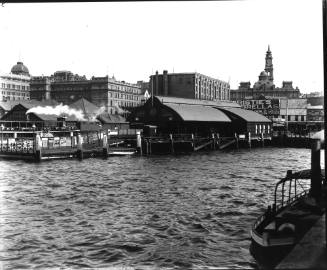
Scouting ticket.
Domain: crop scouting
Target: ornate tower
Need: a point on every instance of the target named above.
(269, 65)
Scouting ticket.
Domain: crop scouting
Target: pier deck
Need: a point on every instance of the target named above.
(310, 252)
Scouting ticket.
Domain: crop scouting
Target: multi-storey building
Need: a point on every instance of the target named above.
(189, 85)
(66, 87)
(16, 84)
(265, 86)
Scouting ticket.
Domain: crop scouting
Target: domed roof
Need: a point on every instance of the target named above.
(20, 69)
(264, 73)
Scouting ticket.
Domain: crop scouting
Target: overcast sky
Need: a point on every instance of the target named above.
(222, 39)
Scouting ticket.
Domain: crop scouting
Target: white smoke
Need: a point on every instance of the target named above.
(59, 110)
(97, 113)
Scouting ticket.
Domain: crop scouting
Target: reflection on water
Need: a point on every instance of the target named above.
(165, 211)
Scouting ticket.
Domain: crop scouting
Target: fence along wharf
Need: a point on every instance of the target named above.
(179, 124)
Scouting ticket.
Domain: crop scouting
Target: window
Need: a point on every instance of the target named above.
(256, 129)
(296, 118)
(288, 118)
(302, 118)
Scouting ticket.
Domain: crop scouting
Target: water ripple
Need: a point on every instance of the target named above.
(175, 212)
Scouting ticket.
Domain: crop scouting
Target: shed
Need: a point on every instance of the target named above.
(112, 121)
(179, 115)
(244, 121)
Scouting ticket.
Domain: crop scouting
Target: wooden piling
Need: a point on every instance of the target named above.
(80, 154)
(218, 140)
(249, 140)
(262, 139)
(193, 144)
(236, 140)
(171, 143)
(316, 179)
(139, 142)
(213, 141)
(105, 146)
(38, 146)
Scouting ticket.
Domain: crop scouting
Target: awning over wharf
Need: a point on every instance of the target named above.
(198, 113)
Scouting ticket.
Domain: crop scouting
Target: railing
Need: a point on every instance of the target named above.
(18, 147)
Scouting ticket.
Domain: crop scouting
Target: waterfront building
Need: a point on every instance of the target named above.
(265, 86)
(200, 117)
(189, 85)
(16, 84)
(66, 87)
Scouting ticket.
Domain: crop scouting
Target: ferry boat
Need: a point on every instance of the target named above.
(294, 211)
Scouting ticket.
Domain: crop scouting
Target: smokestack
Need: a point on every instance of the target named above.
(157, 84)
(165, 82)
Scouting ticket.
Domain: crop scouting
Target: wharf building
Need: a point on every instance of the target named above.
(189, 85)
(66, 87)
(200, 117)
(16, 84)
(265, 86)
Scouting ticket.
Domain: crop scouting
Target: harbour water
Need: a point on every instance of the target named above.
(145, 212)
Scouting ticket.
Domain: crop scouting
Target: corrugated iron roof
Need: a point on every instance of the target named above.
(107, 118)
(247, 115)
(89, 109)
(198, 113)
(189, 101)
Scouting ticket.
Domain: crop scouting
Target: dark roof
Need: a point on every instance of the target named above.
(89, 109)
(106, 118)
(198, 113)
(8, 105)
(189, 101)
(20, 69)
(247, 115)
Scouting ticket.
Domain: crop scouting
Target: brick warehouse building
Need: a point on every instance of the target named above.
(66, 87)
(189, 85)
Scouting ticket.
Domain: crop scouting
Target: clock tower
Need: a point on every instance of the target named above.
(269, 65)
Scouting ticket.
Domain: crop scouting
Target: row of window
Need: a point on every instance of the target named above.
(124, 88)
(220, 95)
(265, 129)
(123, 103)
(124, 96)
(297, 118)
(14, 93)
(14, 86)
(4, 98)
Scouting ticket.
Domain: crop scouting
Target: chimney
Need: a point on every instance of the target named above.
(156, 92)
(165, 82)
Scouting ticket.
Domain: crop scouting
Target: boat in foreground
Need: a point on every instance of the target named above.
(285, 222)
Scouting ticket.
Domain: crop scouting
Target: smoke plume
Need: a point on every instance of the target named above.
(59, 110)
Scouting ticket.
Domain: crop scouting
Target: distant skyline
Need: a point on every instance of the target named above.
(227, 40)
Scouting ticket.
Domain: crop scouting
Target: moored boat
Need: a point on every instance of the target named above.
(299, 201)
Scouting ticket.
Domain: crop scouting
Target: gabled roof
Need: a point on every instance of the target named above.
(189, 101)
(107, 118)
(89, 109)
(247, 115)
(8, 105)
(198, 113)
